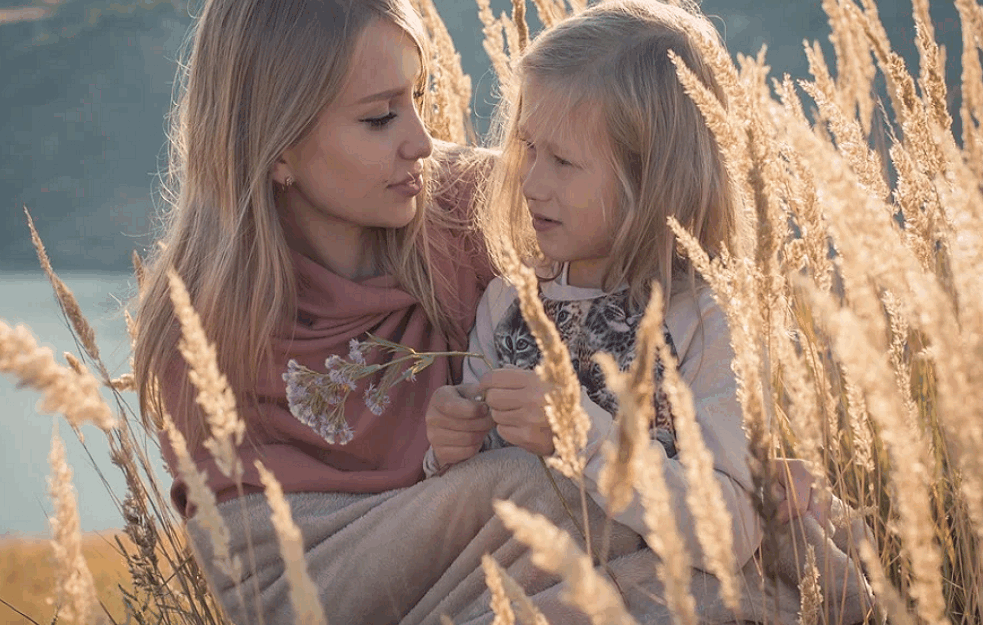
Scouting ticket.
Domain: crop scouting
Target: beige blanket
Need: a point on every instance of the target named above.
(408, 556)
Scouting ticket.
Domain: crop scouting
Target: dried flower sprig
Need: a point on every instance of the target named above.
(318, 399)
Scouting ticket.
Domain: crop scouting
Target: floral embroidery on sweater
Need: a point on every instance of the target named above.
(602, 324)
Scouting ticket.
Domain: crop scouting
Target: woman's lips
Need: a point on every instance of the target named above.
(409, 187)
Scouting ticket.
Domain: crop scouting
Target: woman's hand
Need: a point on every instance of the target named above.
(456, 423)
(516, 398)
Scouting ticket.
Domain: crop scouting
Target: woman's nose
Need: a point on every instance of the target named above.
(418, 144)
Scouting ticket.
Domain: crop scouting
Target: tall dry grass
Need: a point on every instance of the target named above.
(852, 293)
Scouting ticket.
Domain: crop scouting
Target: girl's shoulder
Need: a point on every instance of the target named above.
(695, 319)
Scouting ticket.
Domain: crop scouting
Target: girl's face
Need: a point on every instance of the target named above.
(570, 190)
(360, 165)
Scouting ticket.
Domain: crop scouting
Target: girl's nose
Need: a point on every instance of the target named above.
(534, 186)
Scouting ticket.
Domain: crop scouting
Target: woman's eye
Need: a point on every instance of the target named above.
(529, 145)
(380, 122)
(561, 161)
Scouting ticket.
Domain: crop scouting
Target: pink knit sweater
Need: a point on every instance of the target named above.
(387, 450)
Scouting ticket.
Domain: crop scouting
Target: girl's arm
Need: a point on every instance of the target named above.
(702, 339)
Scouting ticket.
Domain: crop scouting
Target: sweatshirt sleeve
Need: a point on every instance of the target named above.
(480, 341)
(702, 339)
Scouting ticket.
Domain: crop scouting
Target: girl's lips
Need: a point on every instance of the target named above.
(542, 224)
(409, 187)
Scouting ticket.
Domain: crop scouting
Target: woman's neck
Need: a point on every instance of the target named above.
(342, 248)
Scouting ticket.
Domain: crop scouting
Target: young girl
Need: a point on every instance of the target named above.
(600, 146)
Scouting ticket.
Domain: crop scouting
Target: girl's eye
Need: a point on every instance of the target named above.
(380, 122)
(561, 161)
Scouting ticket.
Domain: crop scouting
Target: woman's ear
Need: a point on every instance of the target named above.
(281, 173)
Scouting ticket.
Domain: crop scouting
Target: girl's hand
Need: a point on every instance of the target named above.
(456, 423)
(516, 398)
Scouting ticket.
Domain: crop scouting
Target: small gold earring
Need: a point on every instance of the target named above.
(289, 181)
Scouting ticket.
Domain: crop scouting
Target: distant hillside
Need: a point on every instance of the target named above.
(85, 91)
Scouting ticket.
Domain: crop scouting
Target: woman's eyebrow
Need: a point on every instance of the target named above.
(383, 95)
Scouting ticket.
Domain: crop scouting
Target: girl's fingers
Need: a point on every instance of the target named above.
(499, 399)
(463, 440)
(511, 378)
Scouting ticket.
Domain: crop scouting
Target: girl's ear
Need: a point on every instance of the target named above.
(281, 172)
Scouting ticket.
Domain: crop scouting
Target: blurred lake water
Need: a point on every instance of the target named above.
(25, 435)
(85, 86)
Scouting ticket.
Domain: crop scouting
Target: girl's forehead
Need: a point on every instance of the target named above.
(554, 114)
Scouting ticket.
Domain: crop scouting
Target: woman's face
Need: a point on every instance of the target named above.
(360, 165)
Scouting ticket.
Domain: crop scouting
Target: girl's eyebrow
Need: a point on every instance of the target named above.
(524, 136)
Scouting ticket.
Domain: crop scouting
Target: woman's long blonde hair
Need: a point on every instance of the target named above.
(612, 61)
(257, 75)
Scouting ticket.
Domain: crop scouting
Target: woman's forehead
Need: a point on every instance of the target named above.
(386, 62)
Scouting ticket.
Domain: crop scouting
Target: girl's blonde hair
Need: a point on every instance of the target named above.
(612, 62)
(257, 75)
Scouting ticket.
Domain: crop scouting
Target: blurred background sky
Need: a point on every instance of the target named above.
(84, 89)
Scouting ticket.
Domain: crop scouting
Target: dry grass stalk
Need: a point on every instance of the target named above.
(674, 567)
(75, 395)
(810, 591)
(214, 395)
(900, 339)
(69, 305)
(703, 494)
(521, 27)
(566, 416)
(452, 87)
(553, 550)
(906, 446)
(850, 137)
(888, 597)
(923, 214)
(804, 404)
(550, 11)
(500, 604)
(138, 269)
(74, 363)
(494, 41)
(75, 586)
(633, 465)
(869, 20)
(855, 67)
(971, 109)
(635, 389)
(303, 593)
(932, 71)
(125, 382)
(203, 498)
(861, 437)
(525, 609)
